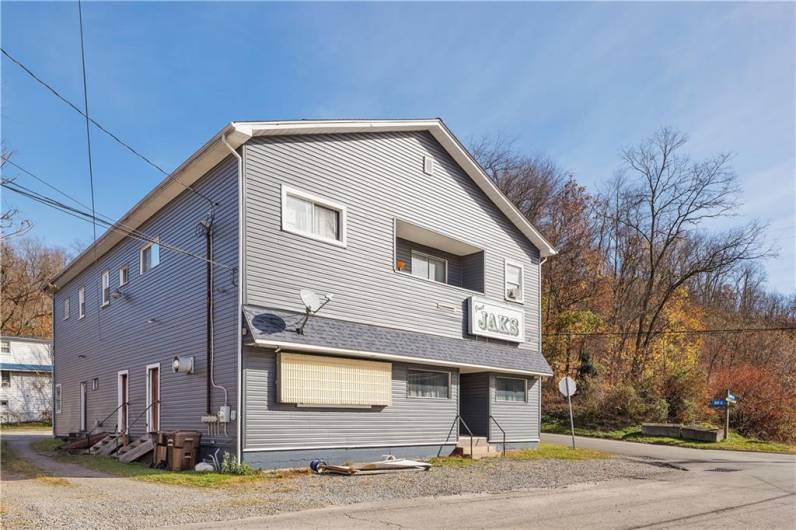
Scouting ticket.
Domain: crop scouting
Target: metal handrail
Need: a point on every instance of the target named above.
(102, 422)
(453, 424)
(142, 413)
(501, 430)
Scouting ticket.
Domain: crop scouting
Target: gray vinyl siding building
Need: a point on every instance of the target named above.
(394, 188)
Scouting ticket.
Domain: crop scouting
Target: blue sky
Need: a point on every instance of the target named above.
(576, 82)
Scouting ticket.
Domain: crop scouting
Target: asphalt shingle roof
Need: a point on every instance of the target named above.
(278, 325)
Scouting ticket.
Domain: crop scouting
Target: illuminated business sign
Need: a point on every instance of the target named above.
(496, 320)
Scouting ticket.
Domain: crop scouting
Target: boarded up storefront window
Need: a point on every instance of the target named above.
(332, 381)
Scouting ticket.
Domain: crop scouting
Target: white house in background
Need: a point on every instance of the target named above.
(26, 367)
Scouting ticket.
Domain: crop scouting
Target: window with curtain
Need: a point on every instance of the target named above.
(81, 302)
(513, 277)
(429, 267)
(427, 384)
(66, 308)
(106, 288)
(307, 215)
(509, 389)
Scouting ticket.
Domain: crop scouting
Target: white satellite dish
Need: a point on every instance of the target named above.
(313, 302)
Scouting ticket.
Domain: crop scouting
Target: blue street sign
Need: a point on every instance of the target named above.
(731, 398)
(718, 403)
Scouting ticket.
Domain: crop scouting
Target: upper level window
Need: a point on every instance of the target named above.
(428, 384)
(6, 377)
(81, 302)
(514, 283)
(150, 257)
(66, 308)
(5, 346)
(106, 288)
(429, 267)
(313, 216)
(124, 275)
(510, 389)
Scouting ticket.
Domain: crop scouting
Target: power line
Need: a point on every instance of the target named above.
(87, 216)
(88, 123)
(98, 125)
(674, 332)
(107, 218)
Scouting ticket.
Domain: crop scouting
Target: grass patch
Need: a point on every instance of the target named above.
(136, 471)
(18, 467)
(27, 426)
(735, 442)
(47, 445)
(452, 461)
(547, 451)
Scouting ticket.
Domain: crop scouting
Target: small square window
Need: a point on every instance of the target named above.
(6, 378)
(95, 384)
(514, 282)
(5, 346)
(81, 302)
(106, 288)
(150, 257)
(510, 389)
(124, 276)
(66, 308)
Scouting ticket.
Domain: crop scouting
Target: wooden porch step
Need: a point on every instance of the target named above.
(136, 449)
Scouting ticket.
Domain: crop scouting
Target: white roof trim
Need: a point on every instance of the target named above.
(309, 348)
(238, 133)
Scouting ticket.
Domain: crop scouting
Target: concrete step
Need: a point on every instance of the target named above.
(481, 448)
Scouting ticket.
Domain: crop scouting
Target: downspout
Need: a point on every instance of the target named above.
(208, 229)
(239, 306)
(539, 324)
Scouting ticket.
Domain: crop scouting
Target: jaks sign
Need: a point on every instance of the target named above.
(498, 321)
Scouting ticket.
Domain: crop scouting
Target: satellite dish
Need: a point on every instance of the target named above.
(313, 302)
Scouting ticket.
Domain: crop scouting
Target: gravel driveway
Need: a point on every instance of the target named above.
(94, 500)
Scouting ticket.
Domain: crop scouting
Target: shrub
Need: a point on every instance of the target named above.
(231, 465)
(766, 407)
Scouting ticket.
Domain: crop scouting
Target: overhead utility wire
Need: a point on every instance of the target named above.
(673, 332)
(86, 216)
(70, 197)
(100, 126)
(88, 123)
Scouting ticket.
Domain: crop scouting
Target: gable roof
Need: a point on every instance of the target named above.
(236, 134)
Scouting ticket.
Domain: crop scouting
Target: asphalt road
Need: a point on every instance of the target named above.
(717, 489)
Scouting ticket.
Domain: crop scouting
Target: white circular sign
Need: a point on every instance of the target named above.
(562, 386)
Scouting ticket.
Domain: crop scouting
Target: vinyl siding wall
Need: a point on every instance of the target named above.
(380, 178)
(272, 425)
(118, 337)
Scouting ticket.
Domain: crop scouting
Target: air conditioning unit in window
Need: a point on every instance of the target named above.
(513, 293)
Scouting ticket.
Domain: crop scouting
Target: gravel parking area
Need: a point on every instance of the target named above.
(93, 500)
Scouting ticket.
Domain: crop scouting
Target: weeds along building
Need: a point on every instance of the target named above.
(192, 315)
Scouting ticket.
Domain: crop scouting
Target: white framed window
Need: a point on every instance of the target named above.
(149, 257)
(6, 378)
(124, 276)
(81, 302)
(428, 384)
(106, 288)
(66, 308)
(95, 384)
(511, 389)
(57, 399)
(5, 346)
(429, 267)
(312, 216)
(514, 274)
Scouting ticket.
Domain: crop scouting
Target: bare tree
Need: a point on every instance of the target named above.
(10, 224)
(657, 213)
